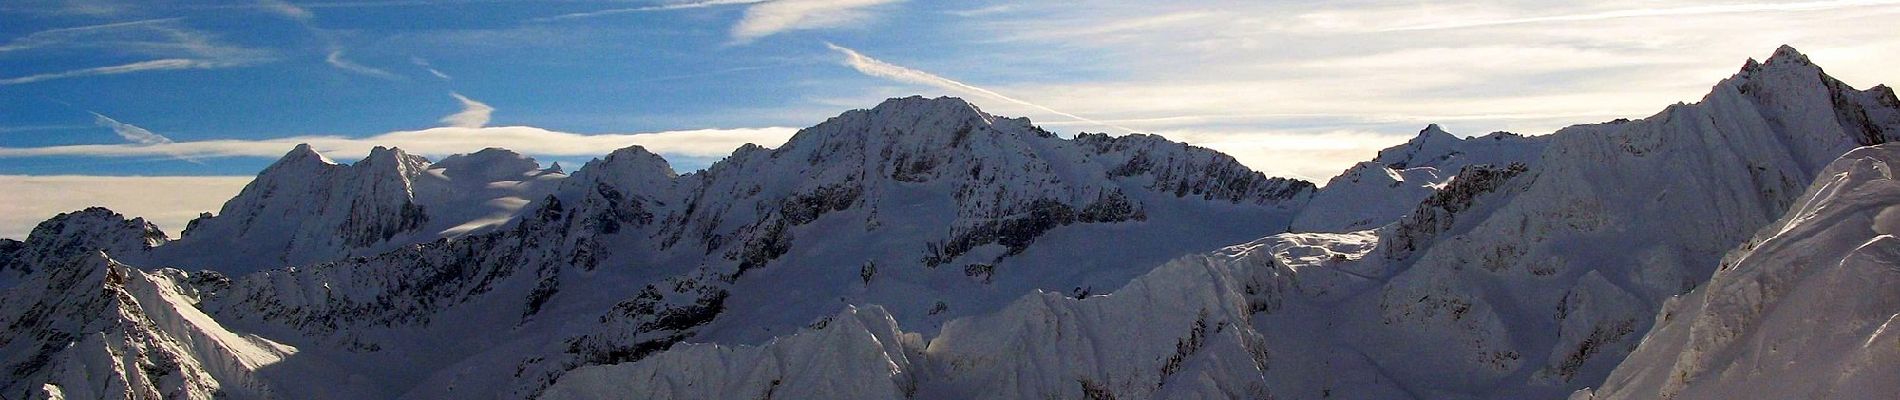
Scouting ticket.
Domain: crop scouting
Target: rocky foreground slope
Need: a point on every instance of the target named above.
(1807, 309)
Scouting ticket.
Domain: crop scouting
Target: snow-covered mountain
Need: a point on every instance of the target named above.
(927, 206)
(306, 208)
(1807, 309)
(69, 235)
(1532, 280)
(926, 249)
(1377, 192)
(85, 326)
(1527, 279)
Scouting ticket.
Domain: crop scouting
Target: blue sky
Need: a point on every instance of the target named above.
(154, 96)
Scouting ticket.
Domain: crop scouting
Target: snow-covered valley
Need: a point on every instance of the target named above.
(922, 248)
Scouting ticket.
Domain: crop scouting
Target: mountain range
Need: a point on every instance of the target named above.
(1739, 246)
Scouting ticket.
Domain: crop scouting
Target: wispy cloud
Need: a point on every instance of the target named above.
(57, 36)
(424, 64)
(1648, 13)
(878, 68)
(663, 7)
(981, 11)
(474, 114)
(773, 17)
(153, 65)
(335, 55)
(762, 17)
(174, 46)
(336, 59)
(287, 10)
(442, 141)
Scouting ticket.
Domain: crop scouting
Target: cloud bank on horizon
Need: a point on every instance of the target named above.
(1300, 90)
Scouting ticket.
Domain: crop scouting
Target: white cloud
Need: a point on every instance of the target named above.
(335, 59)
(879, 68)
(474, 114)
(763, 17)
(287, 10)
(443, 141)
(153, 65)
(982, 11)
(1314, 156)
(773, 17)
(168, 201)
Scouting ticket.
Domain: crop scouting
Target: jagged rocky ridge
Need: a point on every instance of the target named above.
(625, 257)
(1506, 285)
(69, 235)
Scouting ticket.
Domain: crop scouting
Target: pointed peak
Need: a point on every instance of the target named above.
(1433, 131)
(554, 169)
(631, 158)
(303, 154)
(1787, 54)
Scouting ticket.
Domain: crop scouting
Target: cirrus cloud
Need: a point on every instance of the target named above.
(441, 141)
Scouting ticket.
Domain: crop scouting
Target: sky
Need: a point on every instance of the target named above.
(164, 109)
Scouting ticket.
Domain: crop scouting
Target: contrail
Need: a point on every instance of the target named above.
(135, 134)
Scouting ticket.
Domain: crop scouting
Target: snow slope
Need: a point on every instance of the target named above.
(89, 327)
(1805, 310)
(1183, 330)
